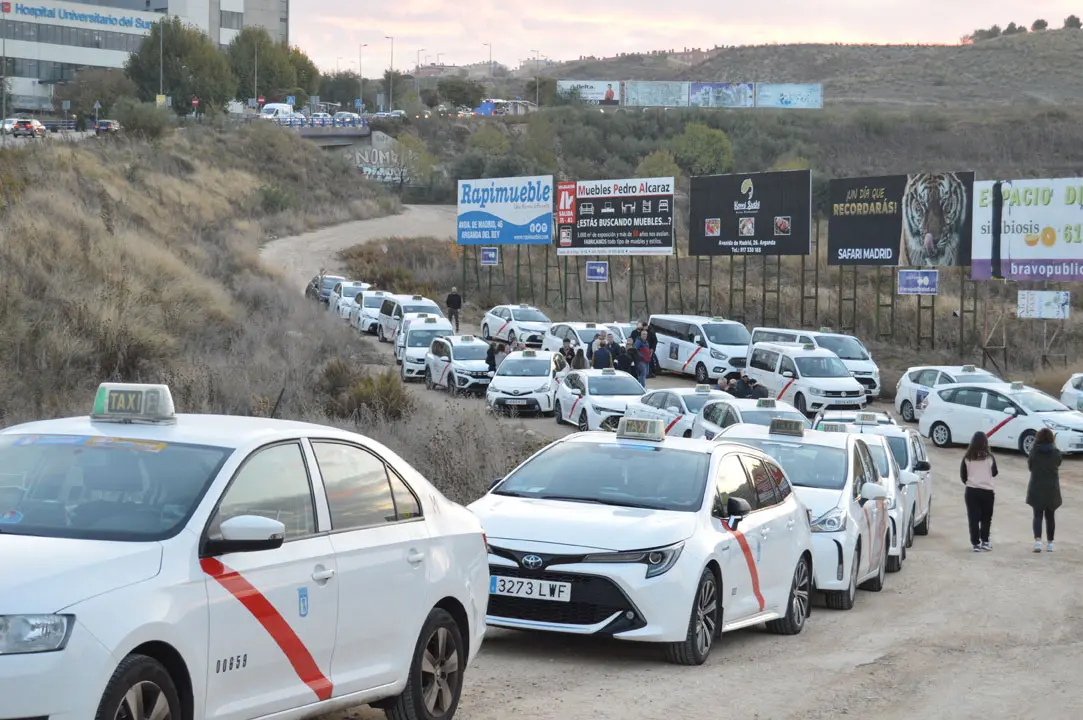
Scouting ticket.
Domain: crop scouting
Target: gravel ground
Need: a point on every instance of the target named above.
(954, 635)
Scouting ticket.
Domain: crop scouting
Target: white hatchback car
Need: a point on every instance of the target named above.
(418, 339)
(678, 408)
(718, 414)
(416, 320)
(595, 399)
(917, 382)
(1072, 392)
(365, 314)
(635, 536)
(342, 298)
(457, 363)
(205, 566)
(512, 323)
(527, 381)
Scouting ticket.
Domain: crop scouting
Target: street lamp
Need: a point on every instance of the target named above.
(391, 75)
(537, 90)
(417, 80)
(490, 46)
(438, 58)
(361, 73)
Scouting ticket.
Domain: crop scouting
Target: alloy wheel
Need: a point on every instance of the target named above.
(439, 671)
(801, 591)
(143, 701)
(706, 615)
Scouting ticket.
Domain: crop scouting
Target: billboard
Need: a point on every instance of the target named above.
(506, 211)
(1044, 304)
(591, 92)
(638, 93)
(721, 95)
(1041, 230)
(789, 95)
(616, 217)
(755, 214)
(920, 220)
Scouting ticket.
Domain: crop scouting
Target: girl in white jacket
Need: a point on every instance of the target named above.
(977, 471)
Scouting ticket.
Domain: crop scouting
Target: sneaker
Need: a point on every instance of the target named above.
(1049, 547)
(1037, 546)
(986, 547)
(977, 548)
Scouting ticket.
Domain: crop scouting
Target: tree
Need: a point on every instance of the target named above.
(106, 85)
(340, 87)
(308, 75)
(489, 141)
(193, 67)
(460, 92)
(430, 97)
(1072, 22)
(1039, 25)
(543, 90)
(1014, 29)
(702, 150)
(416, 164)
(659, 163)
(393, 85)
(260, 65)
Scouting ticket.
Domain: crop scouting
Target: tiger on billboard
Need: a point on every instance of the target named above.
(937, 219)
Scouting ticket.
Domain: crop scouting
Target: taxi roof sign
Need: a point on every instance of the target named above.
(1017, 386)
(969, 368)
(703, 388)
(523, 305)
(833, 427)
(867, 418)
(418, 297)
(530, 353)
(591, 325)
(826, 329)
(808, 346)
(430, 319)
(717, 319)
(765, 403)
(133, 403)
(786, 426)
(608, 371)
(468, 338)
(641, 429)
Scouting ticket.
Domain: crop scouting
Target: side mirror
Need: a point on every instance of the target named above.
(787, 374)
(495, 482)
(922, 466)
(1009, 411)
(577, 392)
(736, 510)
(246, 533)
(872, 491)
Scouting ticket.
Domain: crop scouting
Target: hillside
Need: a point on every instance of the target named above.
(1032, 68)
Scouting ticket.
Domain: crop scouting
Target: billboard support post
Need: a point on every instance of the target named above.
(518, 265)
(704, 283)
(465, 291)
(553, 295)
(1048, 341)
(738, 288)
(847, 298)
(927, 320)
(674, 280)
(885, 303)
(568, 275)
(968, 308)
(814, 296)
(988, 346)
(772, 290)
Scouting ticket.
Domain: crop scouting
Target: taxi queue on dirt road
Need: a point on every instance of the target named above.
(181, 567)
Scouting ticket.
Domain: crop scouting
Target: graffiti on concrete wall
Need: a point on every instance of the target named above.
(380, 160)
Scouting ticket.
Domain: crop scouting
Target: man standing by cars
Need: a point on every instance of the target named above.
(603, 358)
(568, 351)
(643, 358)
(624, 359)
(454, 305)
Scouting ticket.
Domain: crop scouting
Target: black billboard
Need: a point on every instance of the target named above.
(615, 217)
(753, 214)
(919, 220)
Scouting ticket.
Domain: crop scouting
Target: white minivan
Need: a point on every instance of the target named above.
(805, 376)
(276, 111)
(697, 345)
(853, 353)
(395, 306)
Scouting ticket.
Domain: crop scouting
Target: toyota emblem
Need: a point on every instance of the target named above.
(532, 562)
(514, 392)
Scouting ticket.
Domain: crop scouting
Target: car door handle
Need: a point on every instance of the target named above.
(789, 523)
(322, 574)
(764, 531)
(414, 557)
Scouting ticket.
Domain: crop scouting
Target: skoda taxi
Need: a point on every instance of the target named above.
(718, 414)
(417, 339)
(171, 566)
(595, 399)
(805, 376)
(515, 323)
(834, 475)
(527, 381)
(917, 382)
(676, 407)
(639, 536)
(457, 364)
(1010, 415)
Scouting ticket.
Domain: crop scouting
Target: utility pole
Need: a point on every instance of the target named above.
(4, 74)
(161, 57)
(255, 69)
(417, 72)
(391, 76)
(537, 90)
(361, 75)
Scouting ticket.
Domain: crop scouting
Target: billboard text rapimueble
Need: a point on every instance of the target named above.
(506, 211)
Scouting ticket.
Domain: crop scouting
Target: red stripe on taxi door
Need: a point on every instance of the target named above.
(785, 388)
(572, 411)
(670, 426)
(442, 374)
(746, 550)
(272, 621)
(501, 329)
(1000, 425)
(690, 359)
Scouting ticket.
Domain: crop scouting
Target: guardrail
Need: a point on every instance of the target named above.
(320, 122)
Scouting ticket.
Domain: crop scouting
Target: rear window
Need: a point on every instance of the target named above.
(806, 465)
(374, 302)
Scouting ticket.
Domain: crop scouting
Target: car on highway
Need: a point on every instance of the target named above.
(320, 287)
(340, 300)
(7, 126)
(175, 566)
(417, 339)
(678, 408)
(719, 414)
(1072, 392)
(106, 127)
(1010, 415)
(457, 364)
(833, 475)
(25, 127)
(917, 382)
(512, 323)
(365, 314)
(639, 536)
(527, 381)
(595, 399)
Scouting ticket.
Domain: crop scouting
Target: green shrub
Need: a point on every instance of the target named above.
(352, 393)
(276, 199)
(142, 120)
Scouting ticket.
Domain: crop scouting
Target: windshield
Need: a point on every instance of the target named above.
(469, 352)
(587, 334)
(529, 315)
(726, 333)
(846, 347)
(822, 367)
(764, 417)
(1032, 401)
(811, 466)
(624, 474)
(422, 309)
(96, 488)
(695, 403)
(880, 456)
(614, 385)
(330, 282)
(374, 302)
(524, 367)
(423, 338)
(898, 449)
(351, 291)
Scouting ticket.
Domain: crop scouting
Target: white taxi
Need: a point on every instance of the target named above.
(457, 363)
(834, 475)
(417, 339)
(718, 414)
(342, 298)
(1010, 415)
(809, 378)
(512, 323)
(851, 416)
(194, 566)
(676, 407)
(1072, 392)
(595, 399)
(527, 381)
(579, 334)
(365, 314)
(640, 536)
(414, 318)
(916, 383)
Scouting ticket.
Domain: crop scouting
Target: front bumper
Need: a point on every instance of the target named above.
(604, 420)
(1069, 442)
(467, 381)
(411, 369)
(524, 402)
(832, 556)
(820, 402)
(871, 383)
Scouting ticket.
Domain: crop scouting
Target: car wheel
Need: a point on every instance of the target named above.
(584, 426)
(799, 404)
(910, 530)
(703, 624)
(844, 599)
(687, 433)
(876, 584)
(435, 682)
(923, 527)
(940, 434)
(429, 385)
(485, 331)
(557, 412)
(798, 609)
(1026, 442)
(452, 385)
(907, 411)
(140, 689)
(701, 374)
(895, 562)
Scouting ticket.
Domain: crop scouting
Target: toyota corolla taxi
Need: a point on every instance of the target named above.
(1010, 415)
(635, 536)
(595, 399)
(457, 363)
(834, 475)
(201, 566)
(515, 323)
(718, 414)
(527, 381)
(917, 382)
(676, 407)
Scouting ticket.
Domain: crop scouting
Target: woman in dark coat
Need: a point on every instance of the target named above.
(1043, 490)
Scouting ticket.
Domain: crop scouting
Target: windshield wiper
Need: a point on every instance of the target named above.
(509, 493)
(617, 503)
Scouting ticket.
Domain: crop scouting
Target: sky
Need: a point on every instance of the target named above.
(331, 32)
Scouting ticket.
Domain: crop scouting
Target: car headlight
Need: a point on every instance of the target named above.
(603, 409)
(715, 355)
(831, 521)
(21, 634)
(816, 391)
(1055, 427)
(658, 560)
(543, 388)
(876, 372)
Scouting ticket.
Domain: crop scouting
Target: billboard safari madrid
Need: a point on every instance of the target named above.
(1041, 230)
(506, 211)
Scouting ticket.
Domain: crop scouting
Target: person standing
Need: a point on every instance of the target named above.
(454, 304)
(643, 359)
(568, 351)
(501, 353)
(624, 360)
(603, 358)
(652, 340)
(977, 471)
(1043, 489)
(490, 357)
(579, 362)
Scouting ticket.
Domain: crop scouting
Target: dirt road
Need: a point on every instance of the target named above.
(955, 635)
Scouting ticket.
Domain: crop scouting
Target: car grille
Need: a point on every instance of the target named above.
(843, 393)
(475, 374)
(594, 599)
(866, 381)
(610, 423)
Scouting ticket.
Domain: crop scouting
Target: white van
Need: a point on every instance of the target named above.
(418, 335)
(851, 351)
(411, 320)
(805, 376)
(697, 345)
(276, 111)
(395, 306)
